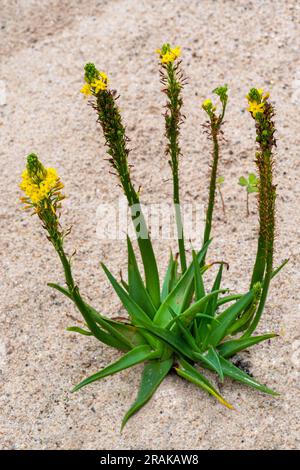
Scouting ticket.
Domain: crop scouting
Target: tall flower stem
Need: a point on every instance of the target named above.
(262, 111)
(214, 127)
(212, 186)
(110, 120)
(172, 79)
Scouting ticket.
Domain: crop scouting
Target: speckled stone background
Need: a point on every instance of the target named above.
(44, 45)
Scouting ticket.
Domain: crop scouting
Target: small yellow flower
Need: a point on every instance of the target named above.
(255, 108)
(98, 85)
(168, 55)
(103, 76)
(86, 89)
(207, 103)
(208, 106)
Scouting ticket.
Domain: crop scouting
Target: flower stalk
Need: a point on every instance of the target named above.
(262, 112)
(173, 81)
(214, 128)
(116, 139)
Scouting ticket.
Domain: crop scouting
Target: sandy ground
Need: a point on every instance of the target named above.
(44, 45)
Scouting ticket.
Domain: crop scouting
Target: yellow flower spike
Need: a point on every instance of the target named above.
(86, 89)
(38, 191)
(167, 54)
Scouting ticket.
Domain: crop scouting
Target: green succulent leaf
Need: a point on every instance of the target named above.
(81, 331)
(277, 270)
(178, 296)
(123, 337)
(169, 277)
(185, 332)
(148, 256)
(199, 285)
(197, 307)
(211, 306)
(61, 289)
(133, 357)
(230, 370)
(136, 287)
(153, 374)
(228, 298)
(136, 313)
(211, 358)
(230, 348)
(130, 332)
(226, 318)
(190, 373)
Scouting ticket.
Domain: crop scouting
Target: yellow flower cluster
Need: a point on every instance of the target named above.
(208, 106)
(97, 85)
(38, 191)
(257, 106)
(168, 55)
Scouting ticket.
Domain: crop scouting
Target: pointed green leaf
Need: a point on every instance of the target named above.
(212, 304)
(172, 339)
(167, 279)
(147, 254)
(130, 332)
(228, 298)
(60, 289)
(226, 318)
(197, 307)
(134, 310)
(190, 373)
(199, 286)
(230, 370)
(211, 358)
(277, 270)
(92, 325)
(136, 288)
(152, 376)
(230, 348)
(138, 316)
(133, 357)
(81, 331)
(127, 340)
(177, 296)
(185, 332)
(204, 326)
